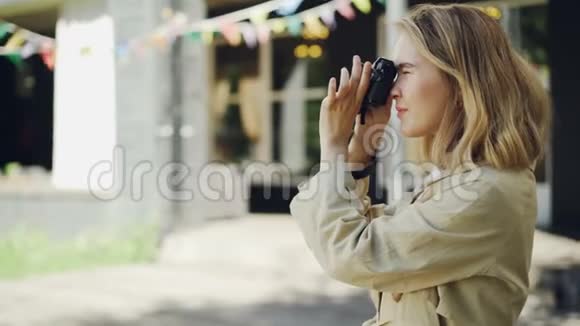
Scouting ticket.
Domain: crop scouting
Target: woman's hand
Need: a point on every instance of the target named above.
(367, 138)
(340, 107)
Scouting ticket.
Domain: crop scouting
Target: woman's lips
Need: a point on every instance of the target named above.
(400, 111)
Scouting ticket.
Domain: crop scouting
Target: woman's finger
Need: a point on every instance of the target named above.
(344, 83)
(356, 72)
(364, 83)
(331, 89)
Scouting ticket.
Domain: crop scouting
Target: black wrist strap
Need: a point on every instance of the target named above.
(360, 174)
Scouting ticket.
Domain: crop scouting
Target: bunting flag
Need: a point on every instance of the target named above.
(21, 44)
(252, 25)
(363, 5)
(16, 40)
(15, 58)
(278, 26)
(289, 7)
(294, 26)
(208, 37)
(345, 9)
(250, 35)
(30, 48)
(47, 54)
(231, 33)
(327, 16)
(312, 23)
(4, 30)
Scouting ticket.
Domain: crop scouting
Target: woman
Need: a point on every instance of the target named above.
(458, 252)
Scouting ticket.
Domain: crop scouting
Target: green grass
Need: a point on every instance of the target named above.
(24, 252)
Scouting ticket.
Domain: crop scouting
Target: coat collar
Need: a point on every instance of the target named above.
(437, 176)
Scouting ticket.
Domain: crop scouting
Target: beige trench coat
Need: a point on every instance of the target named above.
(456, 253)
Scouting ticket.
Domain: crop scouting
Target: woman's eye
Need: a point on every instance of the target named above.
(405, 72)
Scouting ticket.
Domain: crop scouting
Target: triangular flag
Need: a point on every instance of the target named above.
(327, 16)
(346, 10)
(249, 34)
(231, 33)
(47, 54)
(159, 39)
(207, 37)
(363, 5)
(313, 25)
(294, 25)
(4, 29)
(278, 25)
(29, 49)
(48, 60)
(16, 41)
(289, 7)
(123, 52)
(15, 58)
(195, 36)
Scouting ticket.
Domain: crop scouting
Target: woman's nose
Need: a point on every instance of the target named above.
(395, 90)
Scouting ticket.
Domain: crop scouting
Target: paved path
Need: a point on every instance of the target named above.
(249, 271)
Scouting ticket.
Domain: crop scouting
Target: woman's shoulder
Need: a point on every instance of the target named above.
(489, 178)
(476, 199)
(506, 182)
(480, 186)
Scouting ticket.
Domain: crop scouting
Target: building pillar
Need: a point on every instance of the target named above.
(85, 121)
(294, 119)
(217, 189)
(196, 59)
(107, 106)
(263, 150)
(565, 78)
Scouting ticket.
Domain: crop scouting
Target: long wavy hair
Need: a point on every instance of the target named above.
(499, 113)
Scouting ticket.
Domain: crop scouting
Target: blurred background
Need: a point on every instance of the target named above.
(149, 150)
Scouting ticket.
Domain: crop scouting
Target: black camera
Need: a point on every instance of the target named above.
(382, 78)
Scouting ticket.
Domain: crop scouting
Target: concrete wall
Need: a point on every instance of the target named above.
(111, 118)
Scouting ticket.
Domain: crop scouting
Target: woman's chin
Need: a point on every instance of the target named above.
(405, 130)
(409, 131)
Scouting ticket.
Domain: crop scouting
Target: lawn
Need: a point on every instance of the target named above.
(25, 252)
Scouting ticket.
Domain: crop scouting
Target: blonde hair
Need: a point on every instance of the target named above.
(499, 111)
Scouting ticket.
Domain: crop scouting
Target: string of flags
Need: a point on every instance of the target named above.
(22, 44)
(251, 26)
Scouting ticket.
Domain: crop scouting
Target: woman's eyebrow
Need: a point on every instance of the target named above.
(405, 65)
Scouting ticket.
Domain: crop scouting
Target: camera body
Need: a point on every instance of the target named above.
(383, 76)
